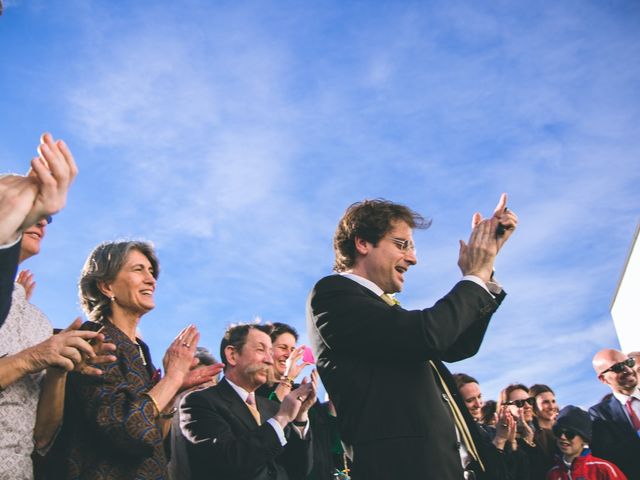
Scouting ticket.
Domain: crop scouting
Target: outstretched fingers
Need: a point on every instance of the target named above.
(501, 206)
(25, 278)
(476, 219)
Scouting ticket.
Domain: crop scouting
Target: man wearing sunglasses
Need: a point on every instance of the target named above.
(573, 434)
(636, 358)
(397, 404)
(616, 419)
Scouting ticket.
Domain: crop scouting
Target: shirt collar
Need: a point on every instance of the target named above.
(239, 390)
(365, 282)
(622, 398)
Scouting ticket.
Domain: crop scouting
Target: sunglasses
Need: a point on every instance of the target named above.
(619, 367)
(521, 403)
(569, 434)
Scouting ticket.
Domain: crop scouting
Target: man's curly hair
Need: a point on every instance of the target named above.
(369, 220)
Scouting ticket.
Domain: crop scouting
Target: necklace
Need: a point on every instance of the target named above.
(144, 361)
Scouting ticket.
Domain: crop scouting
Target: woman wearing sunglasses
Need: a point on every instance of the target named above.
(573, 433)
(516, 398)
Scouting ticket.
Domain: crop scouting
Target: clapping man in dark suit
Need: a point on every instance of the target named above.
(616, 419)
(233, 434)
(397, 405)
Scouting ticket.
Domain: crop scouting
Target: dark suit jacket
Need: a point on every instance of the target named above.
(224, 441)
(324, 435)
(8, 268)
(373, 361)
(614, 438)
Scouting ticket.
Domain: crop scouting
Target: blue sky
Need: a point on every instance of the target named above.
(234, 134)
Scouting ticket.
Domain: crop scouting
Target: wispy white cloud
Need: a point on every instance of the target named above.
(234, 136)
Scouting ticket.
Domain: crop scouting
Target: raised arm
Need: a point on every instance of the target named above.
(43, 191)
(26, 199)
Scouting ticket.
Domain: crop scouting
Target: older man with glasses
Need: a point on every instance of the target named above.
(616, 419)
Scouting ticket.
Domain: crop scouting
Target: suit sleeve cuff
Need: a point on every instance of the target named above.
(279, 431)
(493, 288)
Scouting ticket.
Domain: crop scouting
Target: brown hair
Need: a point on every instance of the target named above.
(369, 220)
(504, 394)
(536, 390)
(462, 379)
(278, 328)
(102, 266)
(236, 336)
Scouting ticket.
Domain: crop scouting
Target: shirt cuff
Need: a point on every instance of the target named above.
(493, 288)
(302, 434)
(279, 431)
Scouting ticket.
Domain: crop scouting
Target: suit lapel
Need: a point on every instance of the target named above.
(617, 413)
(236, 405)
(266, 408)
(370, 293)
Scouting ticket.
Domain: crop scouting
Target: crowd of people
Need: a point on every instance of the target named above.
(87, 402)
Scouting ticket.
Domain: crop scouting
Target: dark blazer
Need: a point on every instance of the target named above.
(324, 435)
(614, 438)
(8, 268)
(224, 441)
(373, 361)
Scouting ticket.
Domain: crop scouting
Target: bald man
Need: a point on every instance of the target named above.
(616, 419)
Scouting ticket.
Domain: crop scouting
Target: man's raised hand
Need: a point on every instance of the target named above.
(487, 238)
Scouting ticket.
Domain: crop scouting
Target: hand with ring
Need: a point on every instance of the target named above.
(179, 357)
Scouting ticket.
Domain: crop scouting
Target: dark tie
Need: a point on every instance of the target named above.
(635, 421)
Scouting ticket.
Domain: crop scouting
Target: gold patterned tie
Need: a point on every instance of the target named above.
(251, 404)
(389, 300)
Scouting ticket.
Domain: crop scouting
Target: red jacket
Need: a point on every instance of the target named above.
(586, 467)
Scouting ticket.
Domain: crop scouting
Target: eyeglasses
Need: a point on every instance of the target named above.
(403, 245)
(619, 367)
(521, 403)
(569, 434)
